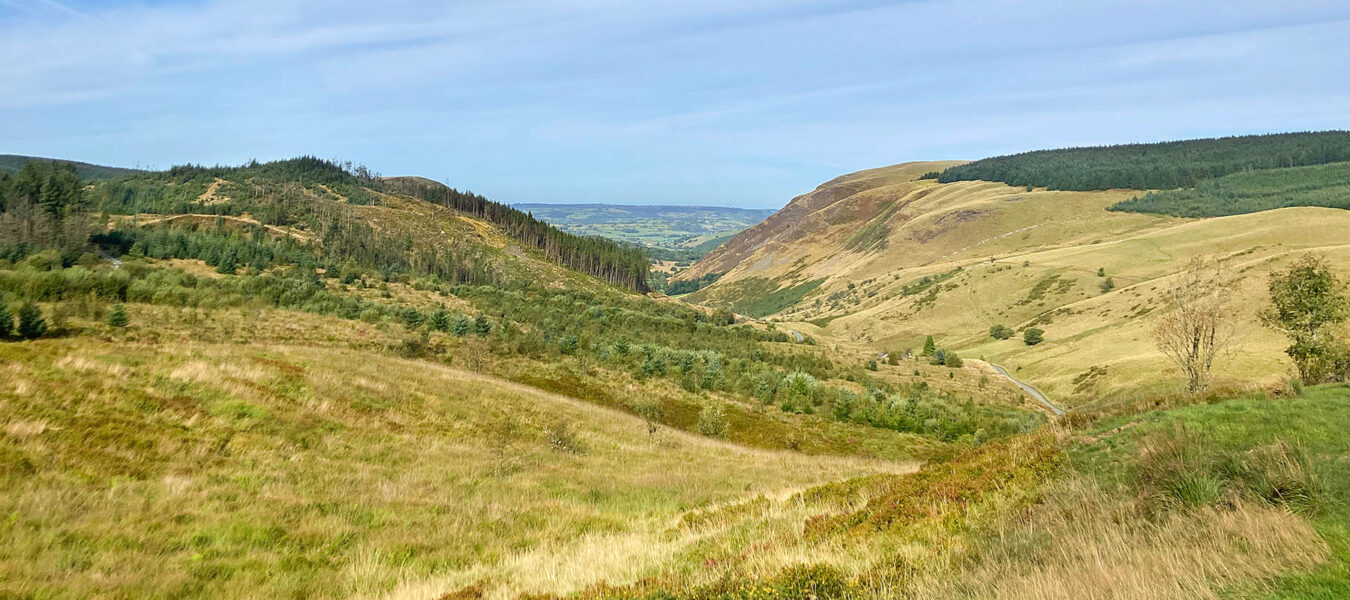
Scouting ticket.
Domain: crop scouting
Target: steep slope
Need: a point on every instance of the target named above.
(883, 259)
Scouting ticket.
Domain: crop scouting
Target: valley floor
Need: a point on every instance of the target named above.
(187, 461)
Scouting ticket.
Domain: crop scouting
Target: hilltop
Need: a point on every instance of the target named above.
(13, 163)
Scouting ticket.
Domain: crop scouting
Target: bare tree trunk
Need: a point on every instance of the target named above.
(1199, 324)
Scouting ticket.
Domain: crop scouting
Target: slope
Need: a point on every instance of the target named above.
(883, 259)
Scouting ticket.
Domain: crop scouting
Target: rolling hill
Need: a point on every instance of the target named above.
(291, 380)
(666, 227)
(13, 163)
(885, 257)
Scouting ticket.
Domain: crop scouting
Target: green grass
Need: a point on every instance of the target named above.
(1314, 422)
(1240, 193)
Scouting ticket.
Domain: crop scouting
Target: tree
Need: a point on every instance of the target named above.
(953, 361)
(929, 346)
(1199, 324)
(712, 420)
(481, 325)
(31, 323)
(117, 317)
(652, 413)
(1101, 271)
(1033, 335)
(439, 320)
(1107, 285)
(1000, 332)
(1307, 303)
(462, 326)
(6, 320)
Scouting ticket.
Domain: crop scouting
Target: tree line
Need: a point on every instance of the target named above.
(1163, 165)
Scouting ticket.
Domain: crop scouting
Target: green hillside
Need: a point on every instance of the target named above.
(13, 163)
(1253, 191)
(1163, 165)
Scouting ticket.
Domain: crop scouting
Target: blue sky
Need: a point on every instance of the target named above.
(680, 102)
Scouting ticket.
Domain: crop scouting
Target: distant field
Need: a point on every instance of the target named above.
(667, 227)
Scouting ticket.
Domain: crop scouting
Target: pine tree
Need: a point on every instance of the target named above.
(461, 327)
(929, 347)
(6, 320)
(31, 323)
(118, 316)
(482, 325)
(440, 320)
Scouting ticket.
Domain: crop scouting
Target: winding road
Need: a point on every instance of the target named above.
(1027, 387)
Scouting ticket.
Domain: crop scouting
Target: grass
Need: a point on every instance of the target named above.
(1298, 445)
(163, 466)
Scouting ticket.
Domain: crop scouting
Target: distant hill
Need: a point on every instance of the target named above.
(1158, 166)
(669, 227)
(12, 163)
(888, 256)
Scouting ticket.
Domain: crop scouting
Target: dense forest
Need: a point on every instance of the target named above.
(616, 263)
(1239, 193)
(1162, 166)
(47, 205)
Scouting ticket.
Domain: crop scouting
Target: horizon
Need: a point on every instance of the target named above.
(668, 104)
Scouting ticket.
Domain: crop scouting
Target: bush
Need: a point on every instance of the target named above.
(953, 361)
(1000, 332)
(651, 413)
(117, 317)
(31, 323)
(562, 437)
(871, 365)
(1033, 336)
(1107, 285)
(712, 420)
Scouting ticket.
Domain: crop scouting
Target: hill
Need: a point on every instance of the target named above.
(13, 163)
(295, 380)
(1163, 165)
(886, 257)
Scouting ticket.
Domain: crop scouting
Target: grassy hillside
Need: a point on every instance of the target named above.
(13, 163)
(902, 258)
(1163, 165)
(1239, 193)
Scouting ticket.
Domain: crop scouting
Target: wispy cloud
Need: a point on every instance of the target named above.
(704, 99)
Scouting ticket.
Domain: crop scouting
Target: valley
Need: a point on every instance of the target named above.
(299, 379)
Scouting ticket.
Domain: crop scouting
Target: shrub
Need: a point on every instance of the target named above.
(871, 365)
(712, 420)
(117, 317)
(939, 357)
(1033, 336)
(31, 323)
(562, 437)
(953, 361)
(1000, 332)
(651, 413)
(1107, 285)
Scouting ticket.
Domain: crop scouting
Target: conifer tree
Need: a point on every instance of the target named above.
(6, 320)
(118, 316)
(929, 347)
(31, 323)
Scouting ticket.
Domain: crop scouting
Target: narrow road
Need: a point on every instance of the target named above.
(1035, 393)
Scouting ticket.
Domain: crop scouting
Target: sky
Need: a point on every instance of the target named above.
(703, 102)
